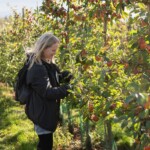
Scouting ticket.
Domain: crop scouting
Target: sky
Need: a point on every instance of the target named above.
(6, 6)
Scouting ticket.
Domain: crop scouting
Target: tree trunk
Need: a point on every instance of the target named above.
(88, 143)
(108, 135)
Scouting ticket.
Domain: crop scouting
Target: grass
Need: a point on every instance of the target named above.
(16, 130)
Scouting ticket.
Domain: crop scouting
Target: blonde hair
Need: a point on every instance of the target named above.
(44, 41)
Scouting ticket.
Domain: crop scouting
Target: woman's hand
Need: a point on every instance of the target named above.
(66, 76)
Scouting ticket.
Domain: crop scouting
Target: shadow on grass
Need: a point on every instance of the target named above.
(30, 145)
(12, 116)
(6, 105)
(10, 141)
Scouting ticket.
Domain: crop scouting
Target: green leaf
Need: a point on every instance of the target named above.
(129, 99)
(124, 123)
(121, 118)
(106, 94)
(78, 90)
(144, 114)
(148, 125)
(141, 99)
(145, 76)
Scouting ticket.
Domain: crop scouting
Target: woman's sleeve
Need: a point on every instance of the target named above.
(38, 79)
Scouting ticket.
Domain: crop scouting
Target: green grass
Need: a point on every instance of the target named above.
(16, 130)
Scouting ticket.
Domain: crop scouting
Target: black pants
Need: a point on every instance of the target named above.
(45, 142)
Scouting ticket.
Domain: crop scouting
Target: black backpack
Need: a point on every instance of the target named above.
(22, 90)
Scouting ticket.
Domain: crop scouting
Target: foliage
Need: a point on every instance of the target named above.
(105, 44)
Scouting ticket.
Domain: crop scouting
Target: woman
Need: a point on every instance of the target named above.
(43, 78)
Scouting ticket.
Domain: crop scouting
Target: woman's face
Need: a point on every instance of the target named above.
(50, 51)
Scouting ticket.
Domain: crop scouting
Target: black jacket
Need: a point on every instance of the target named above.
(44, 103)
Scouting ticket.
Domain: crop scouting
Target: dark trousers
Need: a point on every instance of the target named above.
(45, 142)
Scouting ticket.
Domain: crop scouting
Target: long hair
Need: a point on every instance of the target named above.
(44, 41)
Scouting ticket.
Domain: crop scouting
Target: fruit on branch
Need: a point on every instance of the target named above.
(109, 63)
(112, 106)
(83, 53)
(86, 67)
(147, 148)
(94, 118)
(114, 15)
(143, 23)
(114, 1)
(138, 109)
(98, 58)
(79, 17)
(76, 8)
(141, 42)
(119, 16)
(147, 104)
(136, 71)
(148, 48)
(126, 65)
(48, 2)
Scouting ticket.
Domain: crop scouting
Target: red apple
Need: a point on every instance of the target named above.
(83, 53)
(147, 148)
(126, 65)
(148, 48)
(142, 43)
(109, 63)
(112, 106)
(97, 58)
(94, 118)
